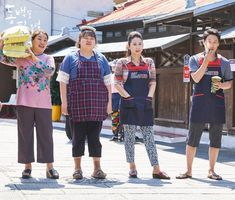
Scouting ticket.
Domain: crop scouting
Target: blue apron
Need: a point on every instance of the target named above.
(137, 110)
(208, 107)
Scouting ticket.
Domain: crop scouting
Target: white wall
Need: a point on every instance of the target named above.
(25, 12)
(74, 11)
(34, 13)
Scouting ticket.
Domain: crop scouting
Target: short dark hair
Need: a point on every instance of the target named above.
(211, 31)
(130, 37)
(38, 32)
(86, 31)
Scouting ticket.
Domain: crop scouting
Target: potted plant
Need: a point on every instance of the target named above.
(55, 98)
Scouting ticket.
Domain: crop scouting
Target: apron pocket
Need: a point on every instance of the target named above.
(128, 102)
(148, 103)
(220, 100)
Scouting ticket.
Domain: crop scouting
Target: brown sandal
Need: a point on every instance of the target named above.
(214, 176)
(183, 176)
(99, 174)
(161, 175)
(52, 174)
(77, 174)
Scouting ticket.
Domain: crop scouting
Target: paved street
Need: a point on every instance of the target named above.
(117, 185)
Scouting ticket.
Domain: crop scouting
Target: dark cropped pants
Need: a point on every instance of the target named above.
(195, 133)
(27, 117)
(91, 131)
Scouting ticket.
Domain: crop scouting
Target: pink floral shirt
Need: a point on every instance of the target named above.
(34, 81)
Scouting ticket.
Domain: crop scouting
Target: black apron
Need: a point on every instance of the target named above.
(137, 110)
(208, 107)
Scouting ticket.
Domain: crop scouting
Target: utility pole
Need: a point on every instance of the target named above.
(4, 9)
(52, 16)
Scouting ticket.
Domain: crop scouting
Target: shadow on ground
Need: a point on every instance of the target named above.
(35, 184)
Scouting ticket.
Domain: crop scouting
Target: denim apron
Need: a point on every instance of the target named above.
(87, 93)
(208, 107)
(137, 110)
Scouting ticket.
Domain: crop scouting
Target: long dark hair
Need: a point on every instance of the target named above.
(130, 37)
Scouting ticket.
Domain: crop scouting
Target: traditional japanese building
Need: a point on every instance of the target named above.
(171, 29)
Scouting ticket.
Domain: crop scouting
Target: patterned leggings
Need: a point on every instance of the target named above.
(129, 141)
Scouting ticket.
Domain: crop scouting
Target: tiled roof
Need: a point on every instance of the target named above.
(196, 11)
(145, 9)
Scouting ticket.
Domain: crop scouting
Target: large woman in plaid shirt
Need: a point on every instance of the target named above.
(86, 97)
(135, 79)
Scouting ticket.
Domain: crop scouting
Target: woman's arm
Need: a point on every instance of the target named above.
(63, 77)
(47, 67)
(152, 88)
(119, 79)
(50, 66)
(121, 90)
(109, 107)
(63, 96)
(152, 83)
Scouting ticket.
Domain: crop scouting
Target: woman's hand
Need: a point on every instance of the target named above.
(32, 55)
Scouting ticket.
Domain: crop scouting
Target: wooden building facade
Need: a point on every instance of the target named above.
(172, 97)
(220, 17)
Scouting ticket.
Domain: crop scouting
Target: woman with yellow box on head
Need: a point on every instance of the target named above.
(33, 100)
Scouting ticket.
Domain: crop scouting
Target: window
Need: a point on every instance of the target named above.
(152, 29)
(141, 30)
(128, 31)
(117, 33)
(161, 29)
(109, 34)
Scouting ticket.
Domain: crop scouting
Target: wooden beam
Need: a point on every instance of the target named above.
(169, 120)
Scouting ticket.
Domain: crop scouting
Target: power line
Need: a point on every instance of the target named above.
(44, 8)
(38, 5)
